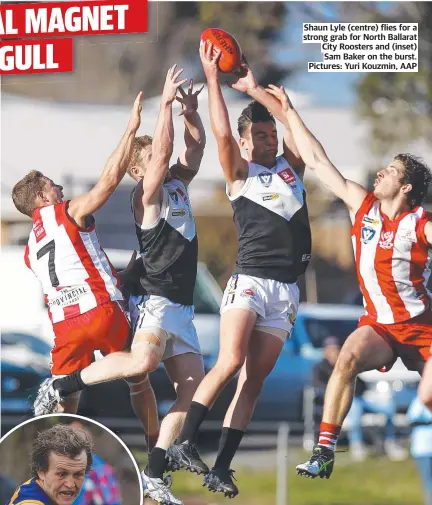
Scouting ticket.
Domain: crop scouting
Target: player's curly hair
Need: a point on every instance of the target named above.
(139, 144)
(253, 113)
(25, 191)
(418, 174)
(60, 439)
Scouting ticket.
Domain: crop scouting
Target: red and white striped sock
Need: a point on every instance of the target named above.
(328, 435)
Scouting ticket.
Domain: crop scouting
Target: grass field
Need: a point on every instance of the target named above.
(374, 482)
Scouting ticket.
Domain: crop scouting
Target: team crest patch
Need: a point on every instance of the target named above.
(287, 176)
(367, 234)
(174, 196)
(265, 178)
(183, 195)
(386, 240)
(248, 292)
(39, 230)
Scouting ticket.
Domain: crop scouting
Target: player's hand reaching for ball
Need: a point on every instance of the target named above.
(209, 57)
(171, 85)
(135, 117)
(281, 95)
(189, 100)
(245, 80)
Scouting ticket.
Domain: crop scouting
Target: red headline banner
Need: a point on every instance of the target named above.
(88, 17)
(35, 57)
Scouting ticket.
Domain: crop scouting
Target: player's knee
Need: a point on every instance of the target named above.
(347, 364)
(147, 352)
(229, 366)
(252, 386)
(144, 360)
(186, 389)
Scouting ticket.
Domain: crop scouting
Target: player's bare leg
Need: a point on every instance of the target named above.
(263, 352)
(185, 371)
(144, 405)
(235, 332)
(363, 350)
(425, 387)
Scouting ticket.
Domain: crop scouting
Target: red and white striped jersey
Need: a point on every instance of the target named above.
(74, 271)
(393, 262)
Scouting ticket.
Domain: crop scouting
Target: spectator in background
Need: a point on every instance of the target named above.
(100, 486)
(420, 419)
(321, 375)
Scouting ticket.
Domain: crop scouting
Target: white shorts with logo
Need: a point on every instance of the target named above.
(275, 303)
(176, 319)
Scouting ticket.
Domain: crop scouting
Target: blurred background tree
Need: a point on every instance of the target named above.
(398, 106)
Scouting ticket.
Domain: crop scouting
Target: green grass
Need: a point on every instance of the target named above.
(374, 482)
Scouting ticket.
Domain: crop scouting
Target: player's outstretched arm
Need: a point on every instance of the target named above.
(234, 166)
(313, 154)
(189, 161)
(113, 173)
(163, 139)
(247, 83)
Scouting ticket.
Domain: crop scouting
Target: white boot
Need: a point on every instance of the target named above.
(158, 490)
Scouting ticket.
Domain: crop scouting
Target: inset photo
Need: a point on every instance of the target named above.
(64, 459)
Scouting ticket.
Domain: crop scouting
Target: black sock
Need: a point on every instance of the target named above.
(229, 443)
(194, 418)
(69, 384)
(157, 463)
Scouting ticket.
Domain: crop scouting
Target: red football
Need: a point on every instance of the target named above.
(231, 52)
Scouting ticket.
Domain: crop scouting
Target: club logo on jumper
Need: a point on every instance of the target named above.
(370, 220)
(178, 213)
(407, 235)
(386, 240)
(287, 176)
(367, 234)
(306, 257)
(248, 293)
(273, 196)
(174, 196)
(184, 196)
(265, 179)
(39, 230)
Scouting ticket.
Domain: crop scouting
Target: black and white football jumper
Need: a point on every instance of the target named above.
(170, 247)
(272, 222)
